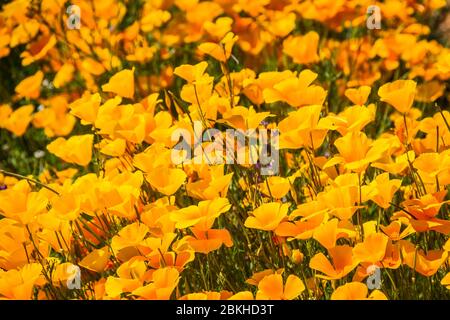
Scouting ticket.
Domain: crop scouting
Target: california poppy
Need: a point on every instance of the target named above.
(77, 149)
(271, 288)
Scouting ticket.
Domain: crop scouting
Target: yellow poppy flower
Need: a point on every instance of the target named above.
(268, 216)
(30, 87)
(271, 288)
(356, 291)
(399, 94)
(76, 149)
(121, 83)
(302, 49)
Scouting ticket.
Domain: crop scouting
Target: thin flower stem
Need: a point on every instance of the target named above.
(19, 176)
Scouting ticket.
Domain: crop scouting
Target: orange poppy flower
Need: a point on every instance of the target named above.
(393, 230)
(381, 190)
(356, 291)
(77, 149)
(201, 216)
(296, 92)
(302, 49)
(86, 108)
(446, 281)
(352, 119)
(30, 87)
(372, 249)
(121, 83)
(209, 240)
(303, 128)
(268, 216)
(426, 264)
(163, 282)
(328, 233)
(258, 276)
(18, 121)
(313, 215)
(96, 260)
(356, 152)
(399, 94)
(276, 187)
(358, 95)
(18, 284)
(222, 51)
(271, 288)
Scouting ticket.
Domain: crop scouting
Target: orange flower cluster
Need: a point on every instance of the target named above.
(364, 145)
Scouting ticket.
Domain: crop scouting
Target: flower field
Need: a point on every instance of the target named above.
(224, 149)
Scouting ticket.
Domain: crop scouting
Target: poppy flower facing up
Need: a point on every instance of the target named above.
(77, 149)
(399, 94)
